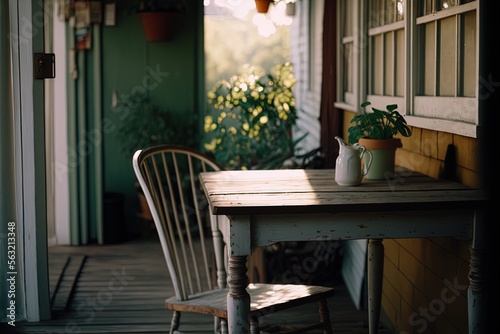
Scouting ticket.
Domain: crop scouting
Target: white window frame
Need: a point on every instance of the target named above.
(456, 115)
(380, 101)
(349, 101)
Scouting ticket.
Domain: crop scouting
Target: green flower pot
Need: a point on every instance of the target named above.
(384, 154)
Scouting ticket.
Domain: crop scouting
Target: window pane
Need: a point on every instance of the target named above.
(446, 4)
(348, 70)
(469, 54)
(378, 65)
(447, 57)
(388, 65)
(426, 7)
(382, 12)
(400, 62)
(400, 9)
(376, 13)
(347, 18)
(373, 12)
(429, 59)
(389, 11)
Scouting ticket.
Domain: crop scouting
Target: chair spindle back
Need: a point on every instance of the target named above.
(168, 176)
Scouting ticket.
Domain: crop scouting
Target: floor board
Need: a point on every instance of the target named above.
(121, 288)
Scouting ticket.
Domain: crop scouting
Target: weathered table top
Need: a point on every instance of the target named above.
(315, 191)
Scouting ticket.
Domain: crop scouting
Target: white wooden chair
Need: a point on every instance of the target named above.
(168, 175)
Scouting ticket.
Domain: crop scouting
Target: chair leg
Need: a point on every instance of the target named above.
(217, 328)
(324, 315)
(220, 326)
(174, 325)
(254, 325)
(223, 326)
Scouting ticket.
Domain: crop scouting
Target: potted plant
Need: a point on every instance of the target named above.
(159, 18)
(375, 131)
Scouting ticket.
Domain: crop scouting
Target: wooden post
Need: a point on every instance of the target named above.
(375, 277)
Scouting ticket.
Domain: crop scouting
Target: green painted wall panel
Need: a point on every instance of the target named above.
(167, 70)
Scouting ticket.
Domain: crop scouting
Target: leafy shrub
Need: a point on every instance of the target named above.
(251, 119)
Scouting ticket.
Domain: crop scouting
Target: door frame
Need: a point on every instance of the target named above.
(26, 37)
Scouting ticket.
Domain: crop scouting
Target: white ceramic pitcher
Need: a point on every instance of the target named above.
(348, 171)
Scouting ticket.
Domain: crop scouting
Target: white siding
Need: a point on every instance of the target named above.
(354, 270)
(306, 56)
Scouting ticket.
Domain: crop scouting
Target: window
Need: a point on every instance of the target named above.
(387, 52)
(446, 76)
(421, 55)
(347, 58)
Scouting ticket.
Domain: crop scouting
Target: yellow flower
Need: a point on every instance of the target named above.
(211, 146)
(208, 123)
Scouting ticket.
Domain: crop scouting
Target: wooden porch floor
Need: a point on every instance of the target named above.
(120, 288)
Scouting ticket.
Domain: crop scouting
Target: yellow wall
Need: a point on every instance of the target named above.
(425, 280)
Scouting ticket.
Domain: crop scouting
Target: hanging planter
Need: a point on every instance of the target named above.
(159, 26)
(290, 8)
(262, 5)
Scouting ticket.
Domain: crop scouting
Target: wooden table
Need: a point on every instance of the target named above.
(265, 207)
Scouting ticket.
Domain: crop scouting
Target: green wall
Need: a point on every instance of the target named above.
(171, 72)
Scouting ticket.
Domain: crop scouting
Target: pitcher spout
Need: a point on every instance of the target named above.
(341, 141)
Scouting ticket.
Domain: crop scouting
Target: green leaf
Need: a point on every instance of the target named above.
(378, 124)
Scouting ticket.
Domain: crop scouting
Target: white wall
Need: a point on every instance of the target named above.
(60, 163)
(306, 56)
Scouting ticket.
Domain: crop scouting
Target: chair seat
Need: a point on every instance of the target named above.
(263, 296)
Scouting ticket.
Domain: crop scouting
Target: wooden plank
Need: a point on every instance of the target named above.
(67, 282)
(331, 203)
(305, 191)
(325, 185)
(57, 265)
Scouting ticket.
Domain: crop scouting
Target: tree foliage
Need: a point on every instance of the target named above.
(251, 119)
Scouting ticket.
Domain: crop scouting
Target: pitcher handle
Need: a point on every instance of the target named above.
(361, 152)
(368, 162)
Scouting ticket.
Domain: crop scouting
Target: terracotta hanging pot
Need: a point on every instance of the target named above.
(159, 26)
(262, 5)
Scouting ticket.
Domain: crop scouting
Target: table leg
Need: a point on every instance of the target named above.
(475, 295)
(238, 299)
(375, 277)
(480, 306)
